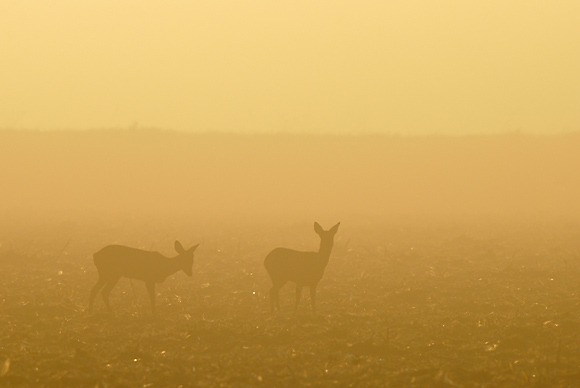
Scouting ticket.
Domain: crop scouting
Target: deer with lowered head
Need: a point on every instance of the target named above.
(116, 261)
(303, 268)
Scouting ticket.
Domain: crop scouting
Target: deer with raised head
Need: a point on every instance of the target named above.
(116, 261)
(303, 268)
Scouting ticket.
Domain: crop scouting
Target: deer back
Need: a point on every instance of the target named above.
(118, 260)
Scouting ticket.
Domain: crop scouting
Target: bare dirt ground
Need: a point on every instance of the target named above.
(399, 305)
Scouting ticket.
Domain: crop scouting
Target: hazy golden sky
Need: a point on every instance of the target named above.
(394, 66)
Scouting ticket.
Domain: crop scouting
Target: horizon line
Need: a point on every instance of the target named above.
(362, 134)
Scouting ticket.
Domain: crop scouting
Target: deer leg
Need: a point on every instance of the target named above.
(298, 296)
(275, 296)
(94, 291)
(107, 290)
(151, 290)
(313, 296)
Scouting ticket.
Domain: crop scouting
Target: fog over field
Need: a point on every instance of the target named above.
(292, 194)
(455, 263)
(66, 175)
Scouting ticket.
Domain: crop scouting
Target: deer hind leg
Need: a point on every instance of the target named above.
(94, 291)
(298, 296)
(107, 290)
(151, 290)
(275, 296)
(313, 296)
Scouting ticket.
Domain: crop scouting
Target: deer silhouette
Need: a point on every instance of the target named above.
(116, 261)
(303, 268)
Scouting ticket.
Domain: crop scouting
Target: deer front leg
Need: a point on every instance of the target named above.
(107, 291)
(298, 296)
(94, 291)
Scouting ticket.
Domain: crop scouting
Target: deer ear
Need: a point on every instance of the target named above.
(334, 229)
(317, 228)
(179, 247)
(193, 248)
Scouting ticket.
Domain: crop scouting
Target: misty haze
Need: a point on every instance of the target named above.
(287, 194)
(456, 260)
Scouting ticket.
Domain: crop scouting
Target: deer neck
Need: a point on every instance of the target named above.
(324, 251)
(171, 265)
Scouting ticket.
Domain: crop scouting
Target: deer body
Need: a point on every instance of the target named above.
(116, 261)
(305, 269)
